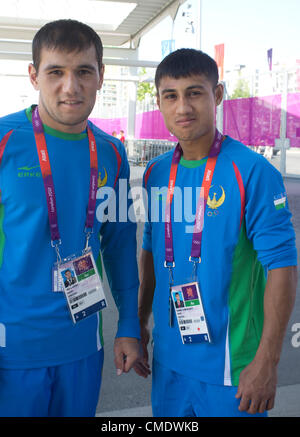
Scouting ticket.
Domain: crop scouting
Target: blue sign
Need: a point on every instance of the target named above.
(167, 46)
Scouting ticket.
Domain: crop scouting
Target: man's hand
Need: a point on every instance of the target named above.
(141, 366)
(257, 387)
(126, 351)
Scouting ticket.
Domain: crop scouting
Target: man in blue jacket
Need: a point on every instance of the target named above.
(52, 356)
(223, 232)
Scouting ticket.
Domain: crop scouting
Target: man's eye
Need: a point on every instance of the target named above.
(170, 96)
(84, 72)
(55, 72)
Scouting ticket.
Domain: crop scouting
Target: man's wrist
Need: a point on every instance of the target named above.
(268, 352)
(144, 321)
(129, 327)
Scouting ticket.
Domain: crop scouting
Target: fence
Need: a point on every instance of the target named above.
(144, 150)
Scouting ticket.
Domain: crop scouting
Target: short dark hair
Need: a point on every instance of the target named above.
(68, 35)
(185, 63)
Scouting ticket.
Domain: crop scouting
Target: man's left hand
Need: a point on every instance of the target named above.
(126, 351)
(257, 387)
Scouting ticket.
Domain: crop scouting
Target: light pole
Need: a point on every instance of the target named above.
(199, 24)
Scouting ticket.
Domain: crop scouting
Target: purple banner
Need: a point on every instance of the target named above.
(254, 121)
(293, 119)
(150, 125)
(110, 125)
(270, 58)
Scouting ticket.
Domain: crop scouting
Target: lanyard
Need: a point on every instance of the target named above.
(201, 205)
(49, 185)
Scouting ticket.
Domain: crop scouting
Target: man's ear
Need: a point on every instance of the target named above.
(101, 78)
(33, 76)
(219, 93)
(158, 101)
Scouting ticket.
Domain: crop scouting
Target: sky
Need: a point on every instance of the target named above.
(248, 28)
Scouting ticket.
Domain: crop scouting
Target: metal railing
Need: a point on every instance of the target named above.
(141, 152)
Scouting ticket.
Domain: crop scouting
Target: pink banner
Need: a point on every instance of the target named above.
(150, 125)
(254, 121)
(293, 119)
(110, 125)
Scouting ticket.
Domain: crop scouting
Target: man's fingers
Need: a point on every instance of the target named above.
(119, 362)
(254, 406)
(144, 351)
(270, 403)
(262, 407)
(142, 369)
(126, 353)
(129, 361)
(245, 403)
(239, 393)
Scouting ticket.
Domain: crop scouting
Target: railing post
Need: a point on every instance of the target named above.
(283, 143)
(219, 115)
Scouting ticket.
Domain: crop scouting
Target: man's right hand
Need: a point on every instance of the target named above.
(141, 365)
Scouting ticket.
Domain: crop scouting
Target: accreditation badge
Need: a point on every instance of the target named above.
(82, 285)
(57, 282)
(190, 313)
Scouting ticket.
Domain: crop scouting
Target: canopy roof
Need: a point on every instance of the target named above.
(120, 23)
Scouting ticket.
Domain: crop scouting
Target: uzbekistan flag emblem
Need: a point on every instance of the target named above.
(280, 201)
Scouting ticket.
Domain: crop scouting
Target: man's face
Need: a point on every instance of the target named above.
(188, 106)
(68, 84)
(68, 274)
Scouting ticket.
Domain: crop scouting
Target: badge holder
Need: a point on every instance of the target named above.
(187, 302)
(78, 277)
(170, 266)
(186, 297)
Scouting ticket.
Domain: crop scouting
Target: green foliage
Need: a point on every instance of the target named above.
(145, 88)
(241, 90)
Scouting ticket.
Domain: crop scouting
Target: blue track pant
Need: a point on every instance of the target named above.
(68, 390)
(175, 395)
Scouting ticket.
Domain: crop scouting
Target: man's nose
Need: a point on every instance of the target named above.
(183, 105)
(71, 84)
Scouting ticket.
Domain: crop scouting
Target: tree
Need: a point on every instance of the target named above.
(145, 89)
(241, 89)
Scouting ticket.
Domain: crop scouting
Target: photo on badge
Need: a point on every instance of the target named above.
(68, 277)
(178, 299)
